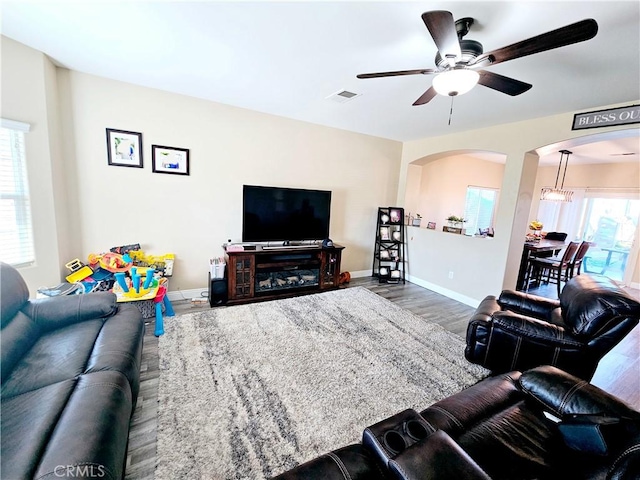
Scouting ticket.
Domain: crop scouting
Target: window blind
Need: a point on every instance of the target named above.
(16, 232)
(479, 207)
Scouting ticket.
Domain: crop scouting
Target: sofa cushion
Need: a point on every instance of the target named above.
(458, 412)
(589, 303)
(27, 423)
(55, 356)
(564, 394)
(119, 346)
(13, 292)
(88, 437)
(16, 339)
(70, 309)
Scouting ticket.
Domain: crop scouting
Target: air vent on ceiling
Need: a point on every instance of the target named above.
(623, 154)
(343, 96)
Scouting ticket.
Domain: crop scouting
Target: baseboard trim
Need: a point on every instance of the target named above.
(472, 302)
(177, 295)
(360, 273)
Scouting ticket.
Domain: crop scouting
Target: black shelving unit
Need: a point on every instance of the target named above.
(389, 263)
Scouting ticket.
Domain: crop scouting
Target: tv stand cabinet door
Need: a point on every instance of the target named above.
(330, 268)
(241, 276)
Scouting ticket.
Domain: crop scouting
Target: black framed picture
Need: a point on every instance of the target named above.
(170, 160)
(124, 148)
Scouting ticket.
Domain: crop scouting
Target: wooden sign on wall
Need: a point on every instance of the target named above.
(607, 118)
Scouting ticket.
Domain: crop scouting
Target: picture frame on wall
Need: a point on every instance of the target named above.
(124, 148)
(170, 160)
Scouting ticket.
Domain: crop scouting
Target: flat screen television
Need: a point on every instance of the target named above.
(284, 214)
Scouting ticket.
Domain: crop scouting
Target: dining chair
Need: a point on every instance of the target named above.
(578, 258)
(556, 269)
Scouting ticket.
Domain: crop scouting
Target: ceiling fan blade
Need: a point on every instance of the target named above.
(424, 71)
(503, 84)
(443, 30)
(561, 37)
(426, 97)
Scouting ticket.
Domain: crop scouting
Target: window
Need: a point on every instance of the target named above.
(16, 234)
(479, 208)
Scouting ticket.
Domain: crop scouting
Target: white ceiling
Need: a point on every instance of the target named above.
(285, 58)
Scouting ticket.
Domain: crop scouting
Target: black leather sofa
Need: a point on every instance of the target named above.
(504, 427)
(518, 331)
(70, 378)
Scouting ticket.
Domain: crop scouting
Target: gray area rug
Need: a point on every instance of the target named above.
(249, 391)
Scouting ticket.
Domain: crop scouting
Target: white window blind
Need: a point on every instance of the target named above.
(479, 207)
(16, 232)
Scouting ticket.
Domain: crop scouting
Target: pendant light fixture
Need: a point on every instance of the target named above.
(556, 194)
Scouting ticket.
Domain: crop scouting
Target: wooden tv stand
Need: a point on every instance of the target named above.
(255, 275)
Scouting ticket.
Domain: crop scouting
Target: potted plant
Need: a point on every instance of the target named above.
(455, 221)
(416, 220)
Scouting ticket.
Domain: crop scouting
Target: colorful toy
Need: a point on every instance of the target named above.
(113, 262)
(79, 271)
(162, 298)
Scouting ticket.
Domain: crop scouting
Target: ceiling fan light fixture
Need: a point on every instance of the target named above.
(455, 82)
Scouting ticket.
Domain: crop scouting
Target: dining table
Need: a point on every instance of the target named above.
(531, 249)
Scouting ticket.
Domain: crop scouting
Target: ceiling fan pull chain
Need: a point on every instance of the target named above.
(451, 110)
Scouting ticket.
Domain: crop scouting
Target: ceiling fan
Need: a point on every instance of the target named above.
(459, 62)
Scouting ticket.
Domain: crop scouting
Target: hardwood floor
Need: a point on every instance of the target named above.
(618, 372)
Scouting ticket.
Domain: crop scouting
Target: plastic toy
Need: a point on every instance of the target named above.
(79, 271)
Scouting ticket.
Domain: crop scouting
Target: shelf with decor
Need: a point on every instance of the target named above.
(389, 257)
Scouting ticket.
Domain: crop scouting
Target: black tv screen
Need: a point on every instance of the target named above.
(284, 214)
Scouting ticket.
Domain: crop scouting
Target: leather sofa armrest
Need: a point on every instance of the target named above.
(353, 461)
(563, 394)
(520, 326)
(526, 304)
(437, 457)
(57, 312)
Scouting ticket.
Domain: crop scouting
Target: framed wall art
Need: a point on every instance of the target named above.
(124, 148)
(170, 160)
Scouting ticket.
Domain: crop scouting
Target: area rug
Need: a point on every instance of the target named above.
(249, 391)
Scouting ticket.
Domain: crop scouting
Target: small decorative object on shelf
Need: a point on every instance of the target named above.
(389, 254)
(416, 221)
(455, 224)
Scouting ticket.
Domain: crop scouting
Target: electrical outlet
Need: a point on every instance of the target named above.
(450, 275)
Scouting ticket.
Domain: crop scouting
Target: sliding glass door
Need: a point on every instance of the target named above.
(611, 224)
(607, 218)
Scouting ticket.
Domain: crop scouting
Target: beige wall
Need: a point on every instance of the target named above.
(442, 184)
(29, 95)
(193, 215)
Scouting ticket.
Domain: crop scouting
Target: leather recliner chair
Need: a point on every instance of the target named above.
(518, 331)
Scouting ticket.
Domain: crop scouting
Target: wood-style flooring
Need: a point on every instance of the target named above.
(618, 372)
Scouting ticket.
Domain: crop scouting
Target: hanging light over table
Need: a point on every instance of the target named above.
(556, 194)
